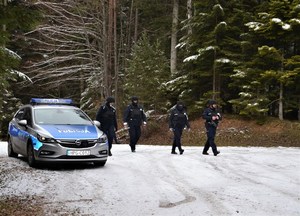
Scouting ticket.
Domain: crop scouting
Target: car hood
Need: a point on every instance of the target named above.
(72, 131)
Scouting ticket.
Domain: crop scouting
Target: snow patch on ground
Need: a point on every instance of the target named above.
(239, 181)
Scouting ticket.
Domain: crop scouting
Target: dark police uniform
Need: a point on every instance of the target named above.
(106, 115)
(177, 122)
(211, 127)
(134, 116)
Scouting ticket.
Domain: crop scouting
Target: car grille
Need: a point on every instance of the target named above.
(77, 157)
(77, 143)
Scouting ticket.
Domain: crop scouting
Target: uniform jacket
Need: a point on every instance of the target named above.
(208, 114)
(106, 115)
(134, 115)
(178, 119)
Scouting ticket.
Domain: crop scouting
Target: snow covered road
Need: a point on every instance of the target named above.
(240, 181)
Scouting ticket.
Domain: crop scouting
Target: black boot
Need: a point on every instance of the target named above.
(216, 153)
(205, 153)
(181, 151)
(173, 152)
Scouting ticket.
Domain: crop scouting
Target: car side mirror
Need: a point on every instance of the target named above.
(97, 123)
(23, 122)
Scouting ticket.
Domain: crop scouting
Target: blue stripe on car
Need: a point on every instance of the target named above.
(36, 143)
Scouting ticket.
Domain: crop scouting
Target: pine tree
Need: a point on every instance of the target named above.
(147, 70)
(212, 50)
(15, 18)
(270, 72)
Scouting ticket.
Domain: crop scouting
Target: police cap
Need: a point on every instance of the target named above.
(110, 100)
(211, 102)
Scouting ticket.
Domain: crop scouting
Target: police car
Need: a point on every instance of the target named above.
(53, 130)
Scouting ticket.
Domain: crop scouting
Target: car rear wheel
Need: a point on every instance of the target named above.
(30, 156)
(99, 163)
(10, 150)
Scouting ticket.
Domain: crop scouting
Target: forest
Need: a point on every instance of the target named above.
(245, 54)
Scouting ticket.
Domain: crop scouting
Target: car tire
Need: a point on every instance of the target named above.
(99, 163)
(10, 150)
(30, 156)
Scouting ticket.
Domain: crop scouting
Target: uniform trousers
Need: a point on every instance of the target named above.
(210, 142)
(177, 138)
(135, 134)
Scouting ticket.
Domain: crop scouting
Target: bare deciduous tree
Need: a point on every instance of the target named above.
(76, 44)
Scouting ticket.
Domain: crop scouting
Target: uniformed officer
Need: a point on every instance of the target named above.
(106, 115)
(134, 117)
(177, 122)
(212, 118)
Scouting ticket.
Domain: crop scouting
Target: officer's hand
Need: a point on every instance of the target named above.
(215, 118)
(125, 125)
(171, 130)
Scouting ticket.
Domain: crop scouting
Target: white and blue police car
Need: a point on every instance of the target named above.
(54, 130)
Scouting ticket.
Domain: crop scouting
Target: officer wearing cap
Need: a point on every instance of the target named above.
(106, 115)
(177, 122)
(212, 118)
(134, 117)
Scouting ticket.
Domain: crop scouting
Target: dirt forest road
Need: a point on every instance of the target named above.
(239, 181)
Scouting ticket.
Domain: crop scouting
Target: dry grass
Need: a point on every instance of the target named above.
(232, 131)
(20, 206)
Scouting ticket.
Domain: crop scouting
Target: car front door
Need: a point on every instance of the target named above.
(21, 135)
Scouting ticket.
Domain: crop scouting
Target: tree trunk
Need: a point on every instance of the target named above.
(4, 4)
(129, 29)
(110, 48)
(136, 25)
(280, 111)
(105, 54)
(214, 74)
(299, 111)
(280, 107)
(173, 61)
(189, 15)
(116, 68)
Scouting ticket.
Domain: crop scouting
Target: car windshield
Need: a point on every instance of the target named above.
(60, 116)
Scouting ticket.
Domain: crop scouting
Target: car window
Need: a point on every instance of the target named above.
(60, 116)
(19, 115)
(27, 116)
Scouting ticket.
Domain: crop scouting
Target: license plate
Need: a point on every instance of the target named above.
(78, 153)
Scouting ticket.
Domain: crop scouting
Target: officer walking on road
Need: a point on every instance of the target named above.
(134, 117)
(106, 115)
(212, 117)
(177, 122)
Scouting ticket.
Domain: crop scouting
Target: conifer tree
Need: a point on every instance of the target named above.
(147, 70)
(271, 69)
(16, 17)
(212, 50)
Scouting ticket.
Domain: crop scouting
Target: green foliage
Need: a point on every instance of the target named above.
(147, 70)
(249, 49)
(272, 33)
(212, 52)
(9, 61)
(15, 18)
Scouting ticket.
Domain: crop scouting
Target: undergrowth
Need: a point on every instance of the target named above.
(232, 131)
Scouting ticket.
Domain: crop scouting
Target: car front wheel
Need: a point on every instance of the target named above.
(30, 156)
(10, 150)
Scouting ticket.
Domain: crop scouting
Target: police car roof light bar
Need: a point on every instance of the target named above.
(61, 101)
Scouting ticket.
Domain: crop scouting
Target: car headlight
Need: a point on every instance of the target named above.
(102, 139)
(45, 139)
